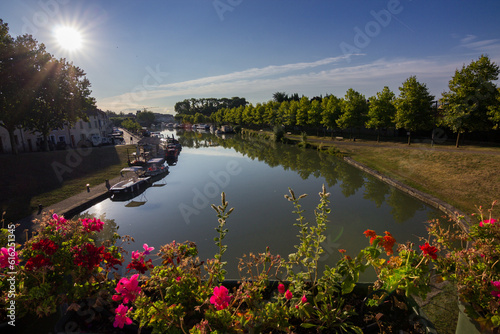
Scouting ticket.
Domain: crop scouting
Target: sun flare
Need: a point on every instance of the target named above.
(68, 38)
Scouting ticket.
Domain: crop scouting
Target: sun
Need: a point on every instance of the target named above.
(68, 38)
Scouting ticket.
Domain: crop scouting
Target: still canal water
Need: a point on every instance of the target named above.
(255, 175)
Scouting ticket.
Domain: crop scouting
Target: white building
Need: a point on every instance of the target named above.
(98, 126)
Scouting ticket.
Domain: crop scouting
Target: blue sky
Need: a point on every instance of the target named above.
(153, 54)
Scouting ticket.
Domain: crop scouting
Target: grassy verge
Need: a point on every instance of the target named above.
(50, 177)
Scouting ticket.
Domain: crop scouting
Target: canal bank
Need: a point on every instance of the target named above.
(426, 198)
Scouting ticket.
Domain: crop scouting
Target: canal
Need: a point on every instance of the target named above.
(255, 175)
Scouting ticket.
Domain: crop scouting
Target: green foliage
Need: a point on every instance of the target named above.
(39, 92)
(218, 270)
(145, 118)
(472, 97)
(413, 106)
(278, 133)
(131, 125)
(472, 263)
(354, 109)
(381, 111)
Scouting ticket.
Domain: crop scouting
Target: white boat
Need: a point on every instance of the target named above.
(155, 167)
(134, 180)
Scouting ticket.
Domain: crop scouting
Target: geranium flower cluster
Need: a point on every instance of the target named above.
(138, 262)
(92, 225)
(59, 222)
(88, 255)
(220, 298)
(387, 241)
(127, 291)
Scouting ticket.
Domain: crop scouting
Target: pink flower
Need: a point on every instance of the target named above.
(92, 224)
(496, 292)
(128, 289)
(487, 221)
(304, 299)
(121, 316)
(220, 298)
(288, 295)
(178, 278)
(147, 249)
(58, 222)
(297, 307)
(5, 257)
(136, 255)
(281, 288)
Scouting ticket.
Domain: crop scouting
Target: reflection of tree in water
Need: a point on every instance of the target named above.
(195, 139)
(307, 162)
(352, 179)
(403, 206)
(375, 190)
(109, 228)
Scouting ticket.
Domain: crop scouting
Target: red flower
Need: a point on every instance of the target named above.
(37, 262)
(88, 256)
(370, 234)
(288, 295)
(388, 242)
(139, 265)
(281, 288)
(111, 261)
(303, 299)
(45, 245)
(429, 250)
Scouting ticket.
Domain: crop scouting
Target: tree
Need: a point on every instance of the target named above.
(302, 111)
(494, 112)
(354, 109)
(145, 118)
(331, 112)
(291, 114)
(131, 125)
(381, 111)
(280, 97)
(21, 61)
(60, 98)
(472, 93)
(314, 113)
(413, 107)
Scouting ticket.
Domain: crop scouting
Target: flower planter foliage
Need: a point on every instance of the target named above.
(65, 264)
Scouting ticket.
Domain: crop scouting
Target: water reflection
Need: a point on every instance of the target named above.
(310, 163)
